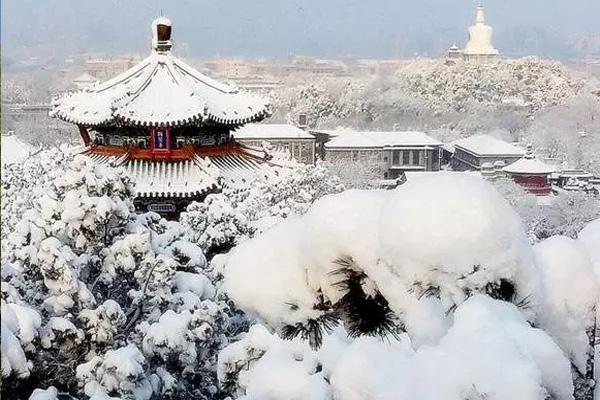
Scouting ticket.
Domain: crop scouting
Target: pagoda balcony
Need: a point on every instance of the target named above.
(186, 152)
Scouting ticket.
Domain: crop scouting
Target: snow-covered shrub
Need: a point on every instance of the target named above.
(437, 271)
(369, 253)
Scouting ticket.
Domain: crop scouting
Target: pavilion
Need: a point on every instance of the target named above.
(531, 173)
(168, 125)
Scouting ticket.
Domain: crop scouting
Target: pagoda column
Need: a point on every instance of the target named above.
(85, 136)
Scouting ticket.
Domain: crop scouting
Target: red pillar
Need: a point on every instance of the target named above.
(85, 136)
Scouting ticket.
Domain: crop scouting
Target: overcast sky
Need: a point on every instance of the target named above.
(364, 28)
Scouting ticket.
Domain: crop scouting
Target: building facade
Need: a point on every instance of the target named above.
(393, 152)
(297, 143)
(168, 125)
(474, 152)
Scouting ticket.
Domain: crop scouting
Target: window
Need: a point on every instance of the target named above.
(416, 157)
(180, 142)
(115, 141)
(142, 143)
(162, 207)
(405, 158)
(395, 157)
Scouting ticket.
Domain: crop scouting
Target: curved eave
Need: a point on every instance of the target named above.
(524, 173)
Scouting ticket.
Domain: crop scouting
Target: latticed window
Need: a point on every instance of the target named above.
(416, 157)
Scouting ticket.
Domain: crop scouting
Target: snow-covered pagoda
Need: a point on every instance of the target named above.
(168, 125)
(479, 48)
(531, 173)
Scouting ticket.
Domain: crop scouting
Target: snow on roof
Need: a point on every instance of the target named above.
(528, 165)
(352, 139)
(161, 90)
(485, 145)
(14, 150)
(182, 178)
(271, 131)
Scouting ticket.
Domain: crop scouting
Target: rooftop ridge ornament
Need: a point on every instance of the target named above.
(161, 34)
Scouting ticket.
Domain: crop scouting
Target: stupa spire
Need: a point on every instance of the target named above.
(480, 16)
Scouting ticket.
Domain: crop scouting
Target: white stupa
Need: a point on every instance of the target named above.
(479, 48)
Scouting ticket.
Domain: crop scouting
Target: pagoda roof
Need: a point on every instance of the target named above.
(529, 166)
(192, 174)
(161, 90)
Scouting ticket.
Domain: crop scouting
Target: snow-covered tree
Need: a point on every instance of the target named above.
(454, 286)
(244, 208)
(102, 302)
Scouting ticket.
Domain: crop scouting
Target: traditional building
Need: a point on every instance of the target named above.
(479, 48)
(168, 125)
(531, 173)
(473, 152)
(395, 152)
(299, 144)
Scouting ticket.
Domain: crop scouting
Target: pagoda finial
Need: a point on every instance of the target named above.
(480, 16)
(529, 151)
(161, 34)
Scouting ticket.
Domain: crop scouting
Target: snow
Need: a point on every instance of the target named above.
(464, 239)
(529, 166)
(198, 284)
(405, 241)
(13, 356)
(490, 351)
(137, 97)
(286, 370)
(590, 238)
(14, 150)
(271, 131)
(570, 291)
(351, 139)
(190, 254)
(122, 370)
(27, 322)
(265, 276)
(485, 145)
(169, 335)
(44, 394)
